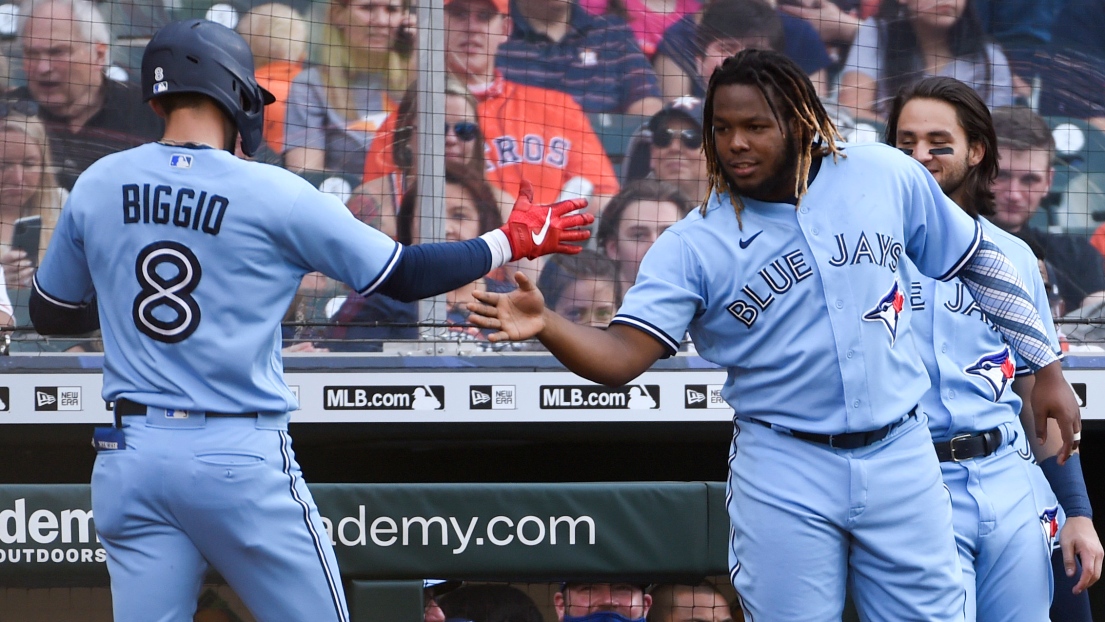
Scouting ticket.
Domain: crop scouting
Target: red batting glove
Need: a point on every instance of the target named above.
(536, 230)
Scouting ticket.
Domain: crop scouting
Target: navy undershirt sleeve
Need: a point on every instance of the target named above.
(52, 319)
(427, 270)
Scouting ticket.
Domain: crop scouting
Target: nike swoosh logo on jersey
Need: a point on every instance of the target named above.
(744, 243)
(539, 237)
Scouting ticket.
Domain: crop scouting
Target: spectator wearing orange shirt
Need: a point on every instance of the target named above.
(532, 133)
(277, 36)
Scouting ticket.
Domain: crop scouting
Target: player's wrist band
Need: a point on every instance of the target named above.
(1069, 485)
(499, 244)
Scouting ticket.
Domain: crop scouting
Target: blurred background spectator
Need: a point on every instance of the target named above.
(576, 600)
(675, 154)
(911, 39)
(689, 603)
(529, 133)
(633, 220)
(1026, 150)
(470, 210)
(695, 45)
(582, 288)
(336, 104)
(1073, 70)
(28, 190)
(489, 603)
(65, 45)
(556, 44)
(647, 18)
(1023, 29)
(377, 201)
(277, 36)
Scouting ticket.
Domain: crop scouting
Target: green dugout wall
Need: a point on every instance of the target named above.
(388, 537)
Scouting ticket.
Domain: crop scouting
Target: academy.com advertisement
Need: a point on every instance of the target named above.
(47, 533)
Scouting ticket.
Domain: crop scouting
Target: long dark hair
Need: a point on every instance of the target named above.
(487, 208)
(974, 118)
(966, 38)
(784, 85)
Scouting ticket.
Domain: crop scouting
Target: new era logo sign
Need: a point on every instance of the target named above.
(1080, 392)
(57, 398)
(703, 396)
(492, 397)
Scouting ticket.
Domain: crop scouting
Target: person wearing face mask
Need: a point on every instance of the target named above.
(601, 602)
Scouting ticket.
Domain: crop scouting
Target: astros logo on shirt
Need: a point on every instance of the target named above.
(888, 310)
(996, 369)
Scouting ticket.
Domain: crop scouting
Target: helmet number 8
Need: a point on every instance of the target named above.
(164, 309)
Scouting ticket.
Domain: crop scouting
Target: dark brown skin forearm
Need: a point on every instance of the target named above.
(612, 356)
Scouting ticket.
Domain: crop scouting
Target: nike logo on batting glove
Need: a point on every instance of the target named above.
(536, 230)
(539, 237)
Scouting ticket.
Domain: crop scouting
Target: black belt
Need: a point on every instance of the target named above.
(847, 440)
(125, 408)
(967, 446)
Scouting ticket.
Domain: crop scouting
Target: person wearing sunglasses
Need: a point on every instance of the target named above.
(377, 201)
(530, 133)
(676, 156)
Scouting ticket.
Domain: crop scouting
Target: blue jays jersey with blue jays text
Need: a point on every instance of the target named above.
(217, 247)
(806, 307)
(970, 365)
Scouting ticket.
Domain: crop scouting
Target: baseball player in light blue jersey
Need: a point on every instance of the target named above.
(189, 257)
(1005, 514)
(790, 278)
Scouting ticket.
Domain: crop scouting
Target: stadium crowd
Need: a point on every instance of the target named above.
(593, 98)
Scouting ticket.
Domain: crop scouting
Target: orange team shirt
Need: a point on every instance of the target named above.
(532, 133)
(1097, 240)
(277, 78)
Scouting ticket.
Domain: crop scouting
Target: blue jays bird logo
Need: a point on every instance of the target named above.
(996, 369)
(1049, 522)
(888, 310)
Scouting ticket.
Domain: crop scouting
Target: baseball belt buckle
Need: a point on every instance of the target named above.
(952, 444)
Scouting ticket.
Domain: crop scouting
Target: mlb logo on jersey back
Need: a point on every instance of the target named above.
(492, 397)
(180, 160)
(5, 399)
(57, 398)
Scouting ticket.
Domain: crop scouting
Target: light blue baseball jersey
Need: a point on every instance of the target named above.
(806, 308)
(215, 262)
(970, 365)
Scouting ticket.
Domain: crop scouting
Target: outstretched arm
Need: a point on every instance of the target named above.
(611, 356)
(996, 286)
(531, 231)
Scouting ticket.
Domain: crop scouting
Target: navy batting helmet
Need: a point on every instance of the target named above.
(200, 56)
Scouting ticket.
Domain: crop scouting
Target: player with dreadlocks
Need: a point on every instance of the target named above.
(833, 480)
(810, 122)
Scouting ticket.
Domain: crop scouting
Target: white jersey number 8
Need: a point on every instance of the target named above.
(165, 310)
